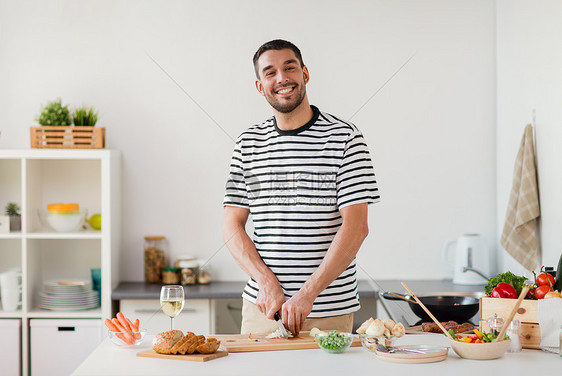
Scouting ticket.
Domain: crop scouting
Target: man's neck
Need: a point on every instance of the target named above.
(296, 118)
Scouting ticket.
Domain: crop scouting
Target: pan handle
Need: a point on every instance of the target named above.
(389, 296)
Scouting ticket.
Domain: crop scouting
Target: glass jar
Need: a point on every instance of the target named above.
(171, 276)
(189, 269)
(154, 258)
(204, 276)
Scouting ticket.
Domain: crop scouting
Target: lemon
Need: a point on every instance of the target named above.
(95, 221)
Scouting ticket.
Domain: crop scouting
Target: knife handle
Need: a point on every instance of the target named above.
(277, 316)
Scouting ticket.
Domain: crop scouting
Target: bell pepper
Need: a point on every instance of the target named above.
(478, 334)
(466, 339)
(504, 290)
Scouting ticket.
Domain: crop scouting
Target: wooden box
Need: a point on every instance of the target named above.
(530, 331)
(63, 137)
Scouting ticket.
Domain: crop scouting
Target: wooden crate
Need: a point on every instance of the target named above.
(63, 137)
(530, 331)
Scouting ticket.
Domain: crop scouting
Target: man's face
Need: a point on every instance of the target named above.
(282, 81)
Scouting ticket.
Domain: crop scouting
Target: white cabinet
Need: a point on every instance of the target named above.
(74, 339)
(10, 350)
(195, 316)
(34, 178)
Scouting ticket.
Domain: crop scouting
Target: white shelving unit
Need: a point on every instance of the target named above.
(34, 178)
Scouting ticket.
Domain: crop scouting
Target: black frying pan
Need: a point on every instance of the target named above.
(444, 308)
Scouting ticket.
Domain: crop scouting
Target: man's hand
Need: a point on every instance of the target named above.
(270, 299)
(295, 311)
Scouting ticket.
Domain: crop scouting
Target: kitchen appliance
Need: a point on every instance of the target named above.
(472, 259)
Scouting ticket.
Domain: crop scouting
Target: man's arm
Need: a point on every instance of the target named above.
(344, 247)
(270, 296)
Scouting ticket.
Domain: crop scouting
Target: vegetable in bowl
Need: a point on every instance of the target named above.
(334, 342)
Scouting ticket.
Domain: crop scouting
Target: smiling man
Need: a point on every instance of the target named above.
(307, 179)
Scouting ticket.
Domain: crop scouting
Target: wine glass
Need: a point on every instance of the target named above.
(171, 301)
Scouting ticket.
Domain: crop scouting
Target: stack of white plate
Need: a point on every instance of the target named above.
(68, 296)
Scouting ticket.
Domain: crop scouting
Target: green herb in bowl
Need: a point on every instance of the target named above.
(334, 342)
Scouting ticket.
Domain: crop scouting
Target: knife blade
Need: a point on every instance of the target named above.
(282, 329)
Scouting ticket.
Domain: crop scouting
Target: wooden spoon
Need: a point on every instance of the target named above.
(506, 323)
(429, 313)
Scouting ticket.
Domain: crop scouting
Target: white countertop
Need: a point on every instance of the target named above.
(109, 359)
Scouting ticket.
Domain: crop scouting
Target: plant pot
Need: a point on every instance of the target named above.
(15, 223)
(67, 137)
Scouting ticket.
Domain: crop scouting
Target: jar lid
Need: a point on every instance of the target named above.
(188, 264)
(186, 257)
(171, 270)
(158, 237)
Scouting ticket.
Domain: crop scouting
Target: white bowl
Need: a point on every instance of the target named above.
(480, 351)
(65, 222)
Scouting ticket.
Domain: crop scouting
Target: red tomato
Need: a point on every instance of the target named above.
(541, 291)
(531, 294)
(545, 279)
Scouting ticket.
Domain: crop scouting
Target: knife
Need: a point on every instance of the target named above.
(282, 329)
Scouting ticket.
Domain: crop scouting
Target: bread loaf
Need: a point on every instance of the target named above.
(164, 342)
(174, 342)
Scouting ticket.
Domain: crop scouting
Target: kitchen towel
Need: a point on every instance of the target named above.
(549, 316)
(519, 236)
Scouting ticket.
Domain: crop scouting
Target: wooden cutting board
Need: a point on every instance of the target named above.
(241, 343)
(193, 357)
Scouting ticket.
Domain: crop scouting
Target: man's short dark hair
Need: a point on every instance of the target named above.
(276, 44)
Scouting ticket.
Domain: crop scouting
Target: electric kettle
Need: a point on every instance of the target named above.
(472, 259)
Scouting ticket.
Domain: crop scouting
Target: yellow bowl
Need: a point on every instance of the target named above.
(480, 351)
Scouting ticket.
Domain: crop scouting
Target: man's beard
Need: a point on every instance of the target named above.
(285, 108)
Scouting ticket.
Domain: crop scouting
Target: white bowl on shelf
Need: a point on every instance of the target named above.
(63, 222)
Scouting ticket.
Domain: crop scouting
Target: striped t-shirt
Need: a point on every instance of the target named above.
(294, 183)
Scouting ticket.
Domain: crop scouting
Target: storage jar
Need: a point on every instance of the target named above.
(189, 269)
(154, 258)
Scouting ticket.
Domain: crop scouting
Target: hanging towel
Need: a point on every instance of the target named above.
(519, 236)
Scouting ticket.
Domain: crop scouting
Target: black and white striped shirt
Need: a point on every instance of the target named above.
(294, 183)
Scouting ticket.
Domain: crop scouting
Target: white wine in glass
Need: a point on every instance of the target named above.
(171, 301)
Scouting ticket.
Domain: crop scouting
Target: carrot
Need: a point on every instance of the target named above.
(128, 335)
(134, 329)
(137, 325)
(122, 337)
(110, 325)
(123, 321)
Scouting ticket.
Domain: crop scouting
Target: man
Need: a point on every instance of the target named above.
(307, 179)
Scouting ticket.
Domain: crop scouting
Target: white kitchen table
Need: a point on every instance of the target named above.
(109, 359)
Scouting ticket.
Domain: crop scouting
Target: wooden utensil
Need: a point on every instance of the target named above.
(506, 323)
(428, 313)
(402, 297)
(191, 357)
(235, 343)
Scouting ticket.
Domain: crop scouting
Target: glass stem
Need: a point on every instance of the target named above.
(171, 318)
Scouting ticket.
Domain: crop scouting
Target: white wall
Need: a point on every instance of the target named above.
(529, 56)
(431, 129)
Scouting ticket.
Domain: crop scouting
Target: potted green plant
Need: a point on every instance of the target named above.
(85, 117)
(12, 210)
(57, 131)
(54, 113)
